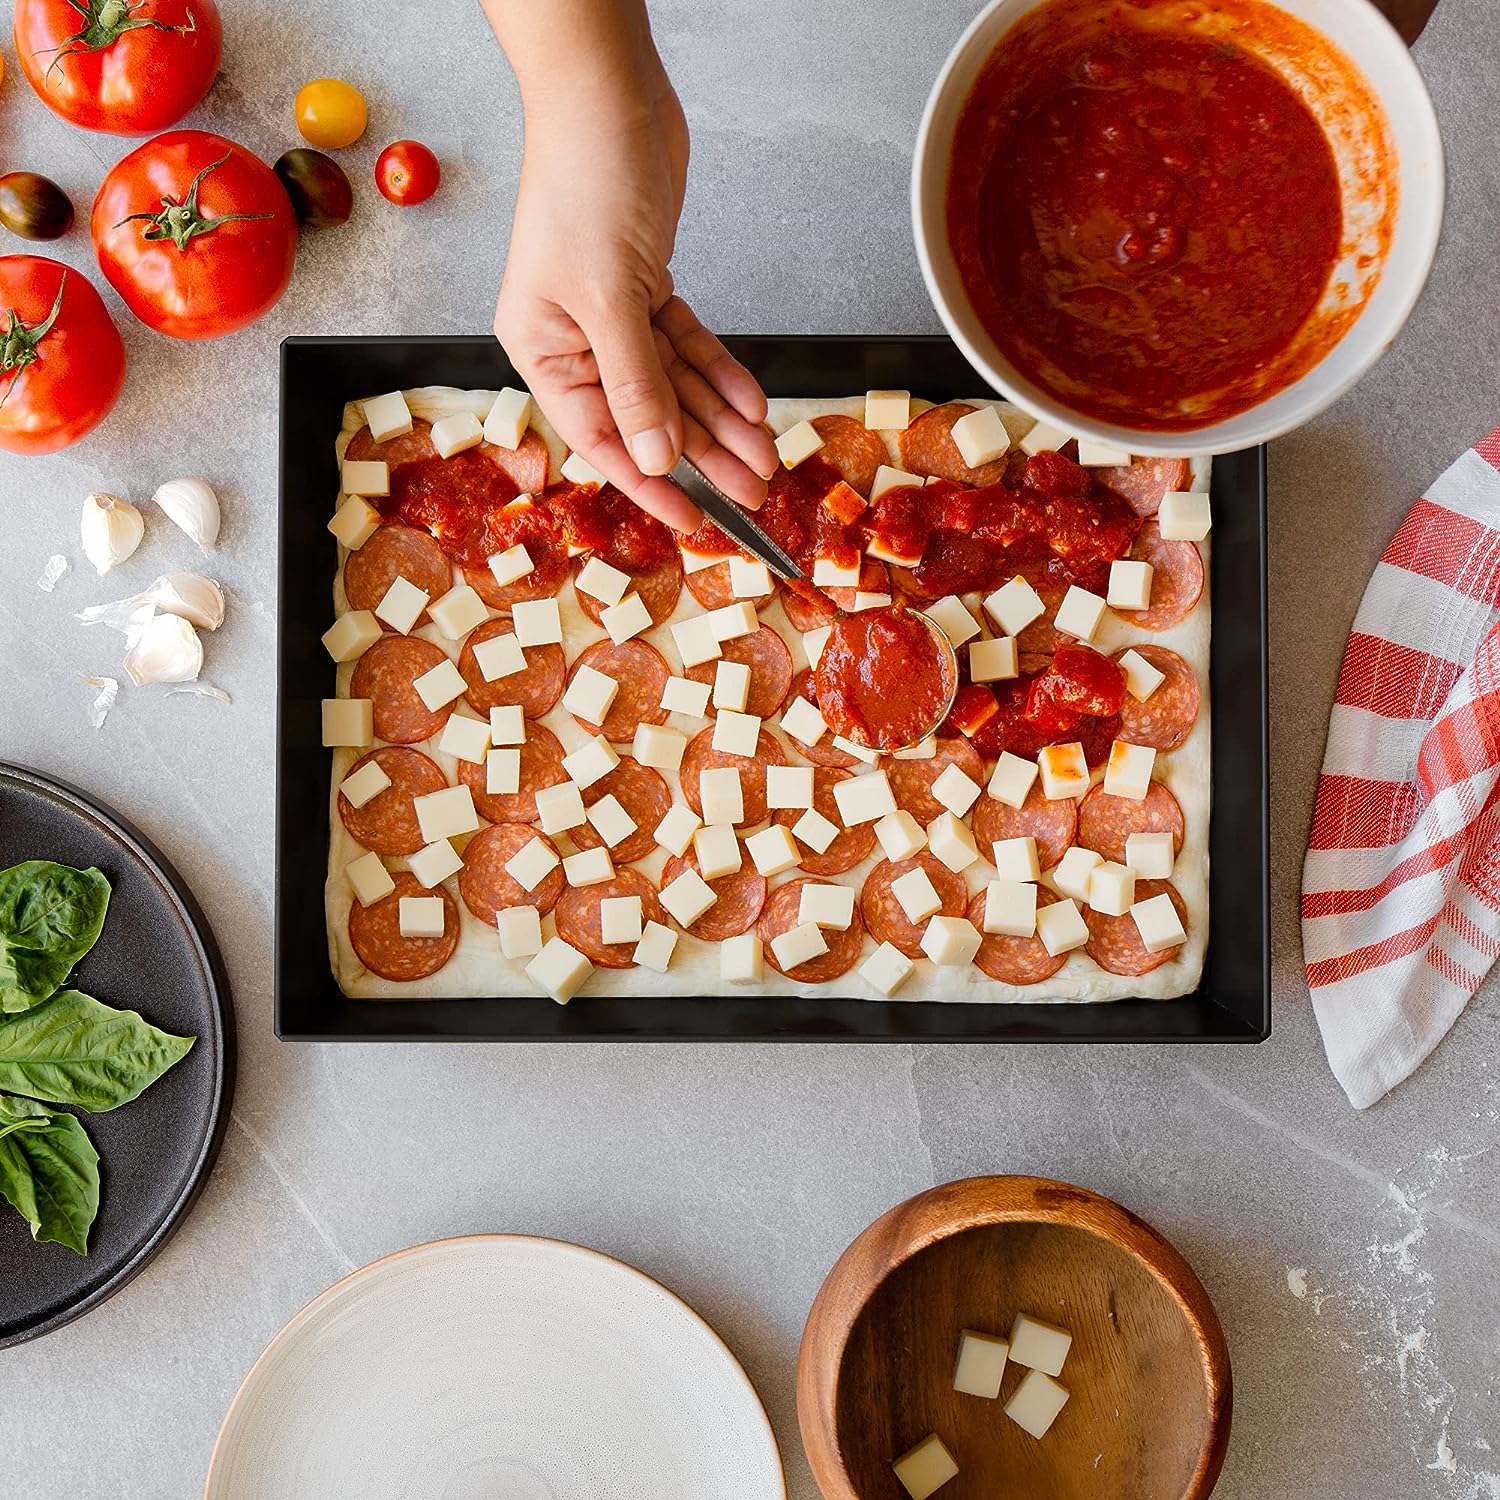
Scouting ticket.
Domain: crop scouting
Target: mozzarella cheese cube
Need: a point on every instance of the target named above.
(981, 1364)
(950, 838)
(1184, 516)
(454, 434)
(590, 694)
(1014, 605)
(863, 601)
(366, 783)
(1112, 888)
(917, 894)
(887, 478)
(951, 616)
(816, 831)
(1010, 908)
(626, 619)
(440, 685)
(369, 879)
(511, 565)
(736, 734)
(789, 786)
(980, 437)
(658, 747)
(826, 905)
(351, 635)
(509, 416)
(1141, 678)
(401, 605)
(1016, 859)
(1061, 927)
(802, 721)
(1128, 771)
(859, 752)
(717, 850)
(900, 835)
(576, 469)
(610, 821)
(798, 945)
(722, 796)
(1064, 770)
(925, 1469)
(733, 621)
(886, 550)
(678, 825)
(502, 773)
(864, 799)
(1159, 925)
(682, 695)
(435, 863)
(773, 850)
(458, 612)
(1012, 780)
(993, 660)
(498, 657)
(695, 641)
(520, 930)
(559, 808)
(1129, 584)
(1080, 614)
(1038, 1345)
(749, 578)
(655, 948)
(922, 750)
(588, 867)
(696, 562)
(731, 686)
(602, 582)
(887, 411)
(1035, 1403)
(532, 863)
(741, 960)
(620, 919)
(446, 814)
(1150, 855)
(886, 969)
(1096, 455)
(1075, 870)
(387, 416)
(831, 574)
(421, 916)
(354, 523)
(591, 761)
(507, 724)
(687, 897)
(1045, 437)
(465, 739)
(797, 443)
(560, 969)
(813, 642)
(537, 622)
(348, 721)
(951, 941)
(955, 789)
(364, 477)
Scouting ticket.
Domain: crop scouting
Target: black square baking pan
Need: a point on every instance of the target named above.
(1232, 1003)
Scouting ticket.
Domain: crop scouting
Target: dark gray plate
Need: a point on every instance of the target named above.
(156, 956)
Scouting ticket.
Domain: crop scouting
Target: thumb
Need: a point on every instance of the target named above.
(640, 395)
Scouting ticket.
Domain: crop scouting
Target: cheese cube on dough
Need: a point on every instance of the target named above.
(456, 433)
(733, 621)
(502, 773)
(1128, 771)
(695, 641)
(1096, 455)
(951, 616)
(773, 850)
(797, 443)
(980, 437)
(559, 808)
(789, 786)
(657, 747)
(1014, 605)
(1010, 908)
(1112, 888)
(863, 601)
(917, 894)
(950, 838)
(1061, 927)
(955, 789)
(736, 734)
(1038, 1345)
(696, 562)
(590, 694)
(520, 930)
(678, 825)
(981, 1364)
(364, 477)
(887, 478)
(507, 724)
(993, 660)
(740, 959)
(1035, 1403)
(749, 578)
(886, 969)
(682, 695)
(348, 721)
(369, 879)
(816, 831)
(508, 419)
(802, 721)
(951, 941)
(576, 469)
(1157, 922)
(1080, 613)
(446, 814)
(588, 867)
(421, 916)
(798, 945)
(465, 739)
(859, 752)
(1013, 779)
(887, 411)
(401, 605)
(388, 416)
(826, 905)
(1075, 870)
(626, 619)
(1016, 859)
(1129, 584)
(458, 612)
(560, 969)
(610, 821)
(435, 863)
(922, 750)
(1045, 437)
(351, 635)
(716, 847)
(900, 835)
(831, 574)
(687, 897)
(537, 622)
(354, 523)
(366, 783)
(591, 762)
(499, 657)
(655, 948)
(864, 799)
(925, 1469)
(602, 582)
(721, 794)
(887, 550)
(1065, 771)
(1184, 516)
(440, 685)
(620, 919)
(813, 642)
(1150, 855)
(1141, 678)
(512, 565)
(532, 863)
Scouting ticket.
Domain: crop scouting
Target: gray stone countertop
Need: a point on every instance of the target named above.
(1354, 1258)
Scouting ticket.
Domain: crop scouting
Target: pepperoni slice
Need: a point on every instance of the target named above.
(406, 449)
(528, 466)
(886, 917)
(386, 675)
(710, 587)
(825, 752)
(851, 448)
(536, 688)
(770, 663)
(387, 823)
(551, 567)
(1014, 960)
(1054, 825)
(1115, 942)
(1165, 720)
(850, 846)
(659, 587)
(1142, 484)
(1106, 821)
(780, 915)
(805, 614)
(741, 897)
(911, 780)
(375, 933)
(541, 765)
(580, 922)
(488, 887)
(642, 793)
(1176, 581)
(927, 448)
(642, 673)
(396, 551)
(700, 756)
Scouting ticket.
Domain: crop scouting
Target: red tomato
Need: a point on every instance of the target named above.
(61, 360)
(407, 173)
(127, 66)
(195, 233)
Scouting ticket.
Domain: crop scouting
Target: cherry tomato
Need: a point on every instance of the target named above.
(316, 184)
(61, 360)
(34, 207)
(331, 113)
(407, 173)
(131, 67)
(195, 233)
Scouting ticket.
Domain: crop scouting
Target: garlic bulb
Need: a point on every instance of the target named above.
(166, 650)
(192, 505)
(112, 529)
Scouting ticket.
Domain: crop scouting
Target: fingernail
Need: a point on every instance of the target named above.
(652, 451)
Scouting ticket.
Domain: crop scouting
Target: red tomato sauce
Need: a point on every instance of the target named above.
(462, 501)
(796, 519)
(613, 527)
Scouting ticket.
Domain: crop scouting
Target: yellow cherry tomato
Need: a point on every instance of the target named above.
(331, 113)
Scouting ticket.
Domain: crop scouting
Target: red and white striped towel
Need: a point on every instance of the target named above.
(1401, 887)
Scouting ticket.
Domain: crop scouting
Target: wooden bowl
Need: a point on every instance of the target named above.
(1148, 1372)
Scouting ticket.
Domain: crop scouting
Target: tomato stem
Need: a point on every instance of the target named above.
(18, 342)
(105, 22)
(185, 221)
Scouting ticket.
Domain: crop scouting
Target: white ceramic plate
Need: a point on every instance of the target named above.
(496, 1367)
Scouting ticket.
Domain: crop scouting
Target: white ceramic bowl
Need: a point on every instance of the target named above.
(1368, 41)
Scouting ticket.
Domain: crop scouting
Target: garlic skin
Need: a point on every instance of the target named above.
(191, 505)
(111, 528)
(190, 595)
(166, 650)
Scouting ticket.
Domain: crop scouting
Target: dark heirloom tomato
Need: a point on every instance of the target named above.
(34, 207)
(320, 192)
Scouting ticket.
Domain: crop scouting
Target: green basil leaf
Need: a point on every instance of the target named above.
(50, 916)
(49, 1175)
(73, 1050)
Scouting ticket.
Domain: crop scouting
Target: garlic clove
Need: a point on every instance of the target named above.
(112, 529)
(192, 505)
(190, 595)
(167, 649)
